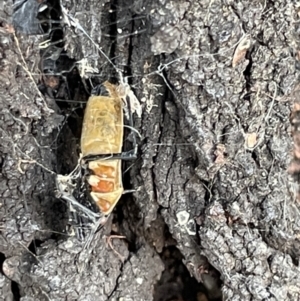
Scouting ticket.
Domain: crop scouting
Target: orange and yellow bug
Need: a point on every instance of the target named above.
(101, 148)
(102, 134)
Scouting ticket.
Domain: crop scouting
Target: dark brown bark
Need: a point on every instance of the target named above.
(216, 81)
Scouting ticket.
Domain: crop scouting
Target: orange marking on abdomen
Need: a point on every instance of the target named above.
(103, 186)
(105, 171)
(104, 205)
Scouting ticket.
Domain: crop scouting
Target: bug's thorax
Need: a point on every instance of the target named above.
(102, 131)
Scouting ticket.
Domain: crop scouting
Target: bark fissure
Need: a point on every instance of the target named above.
(211, 178)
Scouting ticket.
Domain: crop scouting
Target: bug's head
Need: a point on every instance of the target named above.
(100, 90)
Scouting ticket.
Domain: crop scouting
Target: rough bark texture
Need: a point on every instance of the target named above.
(215, 214)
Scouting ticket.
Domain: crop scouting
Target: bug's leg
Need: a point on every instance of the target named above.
(126, 156)
(129, 191)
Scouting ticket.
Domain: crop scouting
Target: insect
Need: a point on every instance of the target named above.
(101, 151)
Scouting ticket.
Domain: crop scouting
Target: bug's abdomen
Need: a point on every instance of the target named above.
(106, 183)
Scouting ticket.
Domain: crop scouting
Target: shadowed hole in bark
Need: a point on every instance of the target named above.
(2, 259)
(14, 285)
(35, 244)
(176, 282)
(247, 72)
(15, 290)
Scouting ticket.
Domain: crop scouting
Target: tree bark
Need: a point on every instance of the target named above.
(217, 81)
